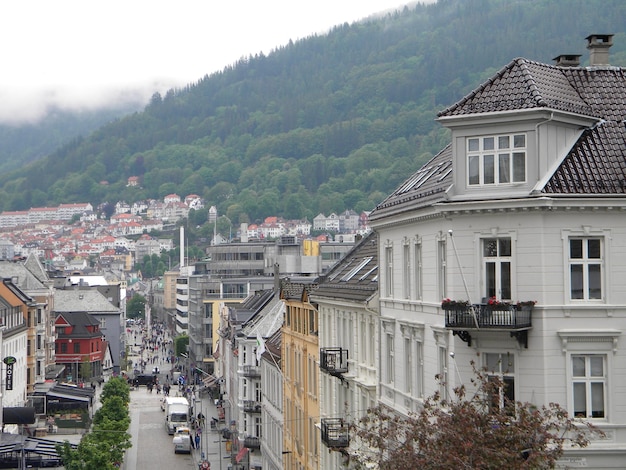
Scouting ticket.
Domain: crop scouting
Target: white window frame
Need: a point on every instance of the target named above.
(588, 381)
(389, 270)
(504, 371)
(498, 261)
(587, 232)
(486, 159)
(588, 343)
(585, 263)
(406, 268)
(442, 262)
(413, 336)
(417, 268)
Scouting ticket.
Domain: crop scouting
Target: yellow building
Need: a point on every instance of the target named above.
(300, 352)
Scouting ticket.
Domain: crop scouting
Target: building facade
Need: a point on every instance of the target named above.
(519, 216)
(347, 300)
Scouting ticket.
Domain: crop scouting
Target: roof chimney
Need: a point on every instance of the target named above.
(599, 45)
(567, 60)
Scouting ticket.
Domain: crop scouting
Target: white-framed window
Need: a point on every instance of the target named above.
(413, 372)
(408, 365)
(589, 385)
(585, 268)
(417, 268)
(390, 358)
(389, 271)
(497, 267)
(406, 269)
(442, 268)
(442, 365)
(496, 159)
(502, 366)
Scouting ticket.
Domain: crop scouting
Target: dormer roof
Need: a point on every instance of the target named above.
(595, 164)
(597, 92)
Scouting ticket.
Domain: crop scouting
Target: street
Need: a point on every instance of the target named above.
(152, 446)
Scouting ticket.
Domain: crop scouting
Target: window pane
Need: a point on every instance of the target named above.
(519, 166)
(490, 247)
(593, 248)
(474, 170)
(505, 281)
(519, 141)
(597, 400)
(503, 142)
(504, 168)
(490, 279)
(492, 362)
(576, 249)
(489, 169)
(488, 143)
(576, 275)
(578, 366)
(580, 400)
(509, 388)
(472, 145)
(596, 366)
(505, 246)
(595, 281)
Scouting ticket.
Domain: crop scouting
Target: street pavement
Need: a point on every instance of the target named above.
(151, 444)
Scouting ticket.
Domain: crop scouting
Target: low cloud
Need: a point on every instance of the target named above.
(29, 106)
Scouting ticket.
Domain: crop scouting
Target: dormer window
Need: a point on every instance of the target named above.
(496, 159)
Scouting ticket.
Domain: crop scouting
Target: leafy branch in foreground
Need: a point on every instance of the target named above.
(482, 430)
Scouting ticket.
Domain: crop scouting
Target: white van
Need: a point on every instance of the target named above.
(176, 413)
(182, 440)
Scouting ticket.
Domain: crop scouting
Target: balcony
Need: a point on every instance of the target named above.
(335, 434)
(515, 319)
(334, 361)
(251, 406)
(252, 442)
(251, 371)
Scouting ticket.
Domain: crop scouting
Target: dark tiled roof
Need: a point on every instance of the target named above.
(355, 277)
(595, 165)
(296, 290)
(80, 322)
(423, 188)
(598, 92)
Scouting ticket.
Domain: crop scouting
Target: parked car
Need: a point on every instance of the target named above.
(144, 379)
(182, 440)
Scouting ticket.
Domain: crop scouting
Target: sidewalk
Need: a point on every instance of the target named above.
(210, 438)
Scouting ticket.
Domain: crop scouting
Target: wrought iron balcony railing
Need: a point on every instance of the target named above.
(516, 319)
(252, 442)
(334, 360)
(251, 371)
(335, 433)
(251, 406)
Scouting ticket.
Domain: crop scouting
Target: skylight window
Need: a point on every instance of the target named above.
(350, 274)
(364, 276)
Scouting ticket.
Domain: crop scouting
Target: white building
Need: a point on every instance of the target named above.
(525, 204)
(347, 302)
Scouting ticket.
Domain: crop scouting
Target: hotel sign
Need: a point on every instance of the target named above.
(8, 381)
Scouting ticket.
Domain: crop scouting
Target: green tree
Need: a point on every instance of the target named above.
(105, 445)
(136, 307)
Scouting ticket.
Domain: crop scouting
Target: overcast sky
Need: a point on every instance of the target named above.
(84, 53)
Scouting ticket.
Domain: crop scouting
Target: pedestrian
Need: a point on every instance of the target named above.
(197, 441)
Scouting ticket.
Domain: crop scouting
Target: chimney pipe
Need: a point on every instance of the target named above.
(567, 60)
(599, 45)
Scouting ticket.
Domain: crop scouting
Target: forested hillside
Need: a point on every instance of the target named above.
(323, 124)
(24, 143)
